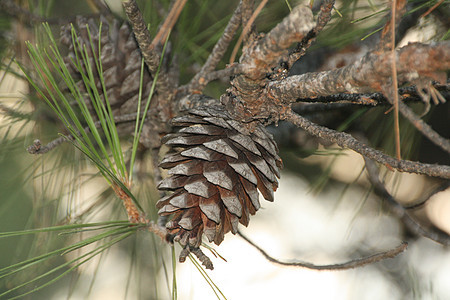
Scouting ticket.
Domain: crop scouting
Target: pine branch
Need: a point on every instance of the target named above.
(345, 140)
(260, 57)
(201, 79)
(414, 61)
(396, 208)
(37, 148)
(442, 187)
(424, 128)
(374, 99)
(387, 39)
(151, 56)
(356, 263)
(322, 19)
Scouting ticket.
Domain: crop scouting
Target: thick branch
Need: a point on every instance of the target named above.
(264, 53)
(356, 263)
(367, 74)
(345, 140)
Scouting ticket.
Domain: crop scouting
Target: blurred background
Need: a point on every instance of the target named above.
(324, 211)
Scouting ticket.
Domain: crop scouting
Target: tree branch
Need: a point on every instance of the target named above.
(424, 200)
(345, 140)
(260, 57)
(424, 128)
(151, 56)
(200, 80)
(368, 74)
(399, 210)
(356, 263)
(407, 93)
(387, 39)
(322, 19)
(264, 53)
(37, 148)
(168, 24)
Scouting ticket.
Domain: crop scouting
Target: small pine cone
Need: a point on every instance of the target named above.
(120, 57)
(217, 167)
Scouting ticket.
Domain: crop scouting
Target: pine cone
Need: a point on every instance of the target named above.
(120, 57)
(216, 169)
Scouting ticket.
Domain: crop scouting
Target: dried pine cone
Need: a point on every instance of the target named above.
(216, 170)
(120, 57)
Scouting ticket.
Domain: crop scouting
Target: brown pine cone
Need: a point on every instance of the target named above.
(216, 169)
(120, 57)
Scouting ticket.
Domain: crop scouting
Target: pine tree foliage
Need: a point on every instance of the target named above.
(217, 156)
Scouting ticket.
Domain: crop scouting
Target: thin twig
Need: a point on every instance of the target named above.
(322, 19)
(374, 99)
(168, 24)
(424, 200)
(345, 140)
(199, 81)
(424, 128)
(431, 9)
(356, 263)
(37, 148)
(246, 13)
(246, 30)
(387, 38)
(399, 210)
(228, 72)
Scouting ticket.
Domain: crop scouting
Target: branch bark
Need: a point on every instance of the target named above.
(368, 74)
(322, 19)
(151, 56)
(345, 140)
